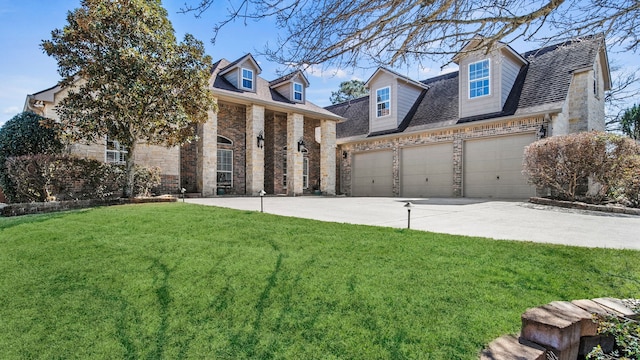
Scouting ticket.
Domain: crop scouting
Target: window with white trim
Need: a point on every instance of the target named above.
(305, 172)
(479, 79)
(284, 169)
(224, 174)
(297, 91)
(115, 153)
(247, 79)
(383, 101)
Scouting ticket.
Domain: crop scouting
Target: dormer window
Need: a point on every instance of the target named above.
(383, 102)
(247, 79)
(297, 91)
(479, 79)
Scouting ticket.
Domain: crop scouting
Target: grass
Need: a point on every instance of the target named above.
(185, 281)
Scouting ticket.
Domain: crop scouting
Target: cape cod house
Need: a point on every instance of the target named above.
(459, 134)
(463, 133)
(264, 136)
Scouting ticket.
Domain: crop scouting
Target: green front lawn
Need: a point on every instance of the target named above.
(185, 281)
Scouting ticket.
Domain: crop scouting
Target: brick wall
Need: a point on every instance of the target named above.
(313, 155)
(189, 167)
(232, 125)
(275, 142)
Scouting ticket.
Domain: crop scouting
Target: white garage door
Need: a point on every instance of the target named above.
(373, 174)
(493, 167)
(427, 171)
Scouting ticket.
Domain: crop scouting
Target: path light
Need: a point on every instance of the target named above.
(262, 194)
(183, 190)
(408, 205)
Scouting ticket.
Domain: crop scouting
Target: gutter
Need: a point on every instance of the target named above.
(276, 106)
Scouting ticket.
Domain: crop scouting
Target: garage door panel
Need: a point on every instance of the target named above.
(373, 174)
(427, 171)
(493, 167)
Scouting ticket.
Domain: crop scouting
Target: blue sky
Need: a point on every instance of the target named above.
(25, 69)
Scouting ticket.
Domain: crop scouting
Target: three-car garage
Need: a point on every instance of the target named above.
(490, 167)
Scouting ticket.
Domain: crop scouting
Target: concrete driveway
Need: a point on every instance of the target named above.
(512, 220)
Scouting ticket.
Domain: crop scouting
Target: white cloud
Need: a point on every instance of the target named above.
(11, 110)
(320, 72)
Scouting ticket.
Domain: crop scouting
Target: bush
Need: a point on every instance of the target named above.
(26, 134)
(564, 163)
(63, 177)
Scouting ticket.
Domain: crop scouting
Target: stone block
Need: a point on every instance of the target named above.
(588, 327)
(593, 308)
(617, 306)
(587, 344)
(509, 347)
(548, 326)
(568, 353)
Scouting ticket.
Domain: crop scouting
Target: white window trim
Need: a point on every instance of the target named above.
(469, 81)
(242, 78)
(119, 153)
(301, 92)
(305, 172)
(381, 102)
(226, 171)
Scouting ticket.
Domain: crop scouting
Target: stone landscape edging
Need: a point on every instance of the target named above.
(54, 206)
(585, 206)
(559, 330)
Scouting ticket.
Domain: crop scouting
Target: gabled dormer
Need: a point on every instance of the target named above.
(391, 97)
(486, 77)
(242, 73)
(292, 86)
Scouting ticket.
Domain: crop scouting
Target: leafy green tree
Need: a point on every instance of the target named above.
(349, 90)
(630, 122)
(26, 134)
(128, 78)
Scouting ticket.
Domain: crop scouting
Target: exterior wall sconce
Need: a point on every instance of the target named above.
(260, 139)
(344, 154)
(301, 146)
(542, 132)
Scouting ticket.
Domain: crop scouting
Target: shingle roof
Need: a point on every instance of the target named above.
(288, 77)
(542, 84)
(263, 94)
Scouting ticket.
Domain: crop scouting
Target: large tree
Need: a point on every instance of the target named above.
(128, 77)
(630, 122)
(349, 90)
(347, 33)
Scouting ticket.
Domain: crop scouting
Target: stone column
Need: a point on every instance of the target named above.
(295, 130)
(254, 154)
(328, 157)
(208, 154)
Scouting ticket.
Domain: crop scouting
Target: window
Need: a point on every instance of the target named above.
(225, 167)
(115, 153)
(383, 102)
(297, 91)
(247, 79)
(305, 172)
(596, 84)
(479, 79)
(284, 169)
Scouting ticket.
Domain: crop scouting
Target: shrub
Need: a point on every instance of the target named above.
(145, 179)
(26, 134)
(62, 177)
(563, 163)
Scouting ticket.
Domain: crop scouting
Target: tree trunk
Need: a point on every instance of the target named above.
(129, 172)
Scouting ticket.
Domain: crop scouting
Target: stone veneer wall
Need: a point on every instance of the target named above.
(455, 135)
